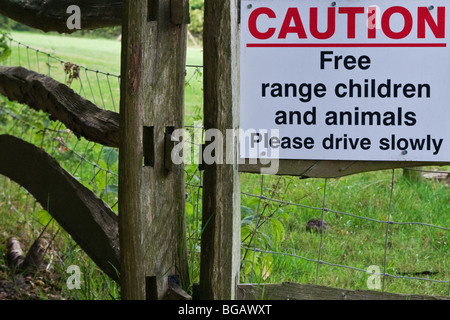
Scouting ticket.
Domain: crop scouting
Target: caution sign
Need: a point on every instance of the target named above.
(345, 80)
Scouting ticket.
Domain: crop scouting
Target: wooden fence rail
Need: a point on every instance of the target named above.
(294, 291)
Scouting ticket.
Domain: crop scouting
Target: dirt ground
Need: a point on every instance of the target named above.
(37, 285)
(34, 280)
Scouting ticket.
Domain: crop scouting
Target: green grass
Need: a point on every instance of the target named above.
(96, 54)
(353, 242)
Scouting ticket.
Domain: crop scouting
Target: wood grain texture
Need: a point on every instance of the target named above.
(90, 222)
(41, 92)
(151, 198)
(180, 12)
(294, 291)
(220, 247)
(327, 168)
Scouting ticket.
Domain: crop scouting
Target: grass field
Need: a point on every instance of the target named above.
(359, 205)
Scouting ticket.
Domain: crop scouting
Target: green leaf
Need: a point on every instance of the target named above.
(112, 188)
(246, 211)
(110, 156)
(245, 232)
(189, 208)
(278, 230)
(44, 217)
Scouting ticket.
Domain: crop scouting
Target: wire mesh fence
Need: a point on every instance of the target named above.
(377, 230)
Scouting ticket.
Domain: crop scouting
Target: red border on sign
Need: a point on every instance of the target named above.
(346, 45)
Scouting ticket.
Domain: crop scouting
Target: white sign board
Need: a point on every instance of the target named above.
(345, 80)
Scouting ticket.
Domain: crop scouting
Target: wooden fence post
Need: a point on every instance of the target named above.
(220, 247)
(151, 196)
